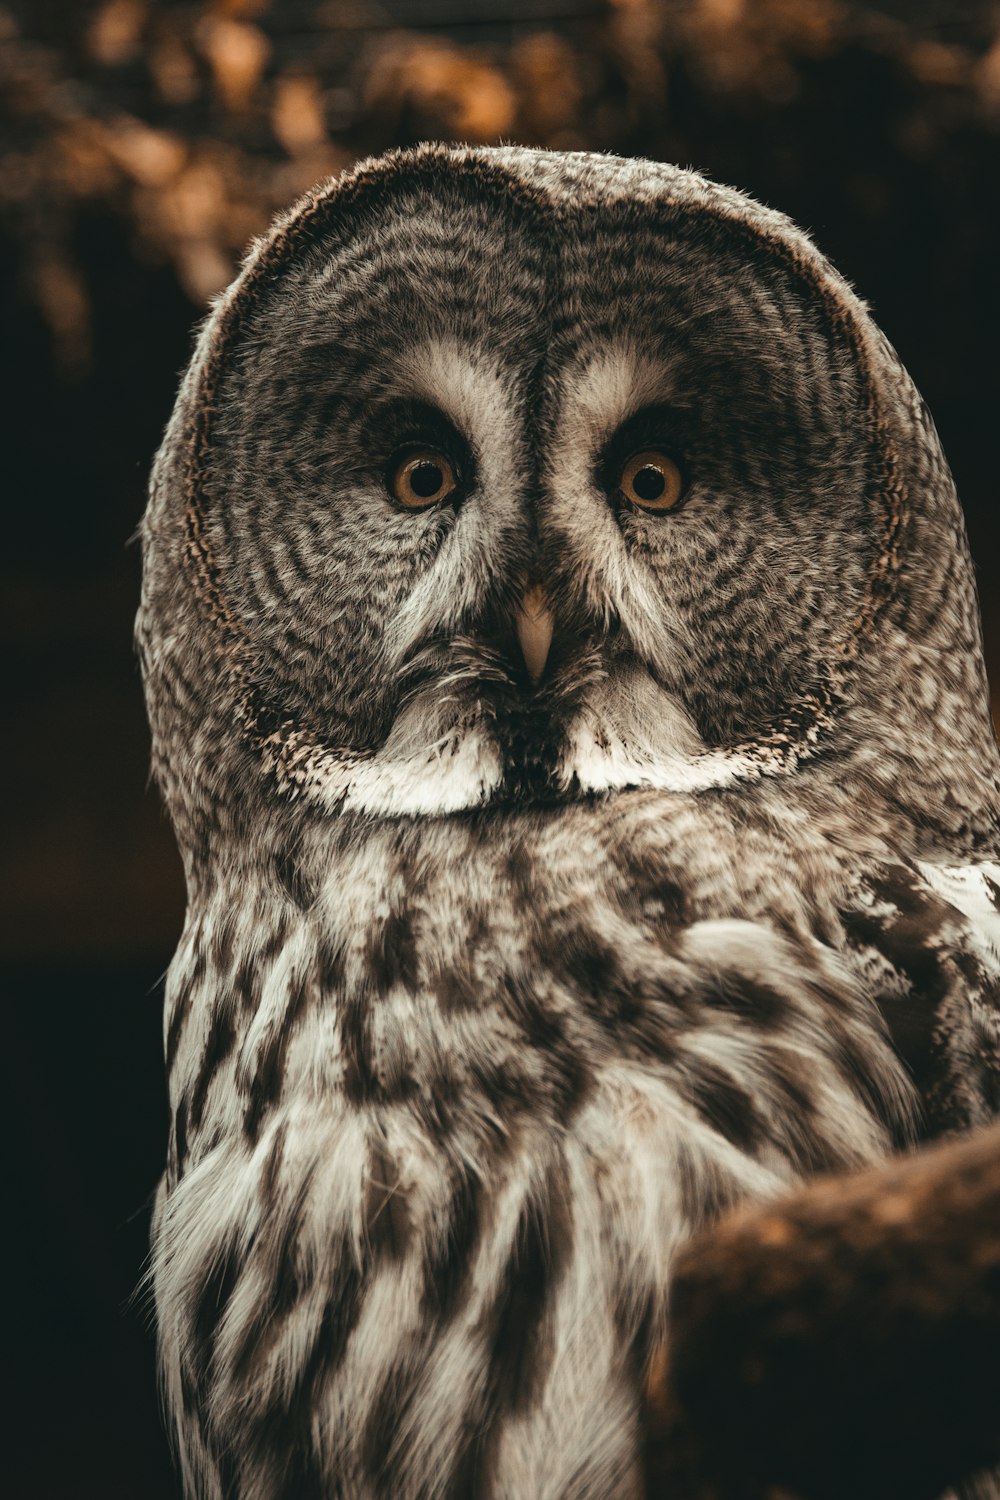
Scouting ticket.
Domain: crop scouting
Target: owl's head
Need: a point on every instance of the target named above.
(503, 476)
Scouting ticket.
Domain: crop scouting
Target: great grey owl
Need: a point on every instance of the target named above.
(565, 677)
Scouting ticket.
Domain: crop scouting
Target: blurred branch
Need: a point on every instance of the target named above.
(194, 122)
(840, 1342)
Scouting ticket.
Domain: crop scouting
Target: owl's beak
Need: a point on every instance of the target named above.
(534, 631)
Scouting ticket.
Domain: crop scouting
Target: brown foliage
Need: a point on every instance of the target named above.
(195, 122)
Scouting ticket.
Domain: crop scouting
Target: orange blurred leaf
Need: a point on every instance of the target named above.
(62, 297)
(151, 157)
(467, 92)
(115, 33)
(173, 70)
(237, 54)
(297, 113)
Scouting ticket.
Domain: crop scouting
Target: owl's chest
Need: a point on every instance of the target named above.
(559, 974)
(456, 996)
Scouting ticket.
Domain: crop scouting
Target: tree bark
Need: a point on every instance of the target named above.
(843, 1342)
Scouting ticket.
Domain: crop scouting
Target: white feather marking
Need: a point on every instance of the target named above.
(597, 759)
(454, 770)
(448, 777)
(972, 890)
(478, 400)
(596, 399)
(633, 733)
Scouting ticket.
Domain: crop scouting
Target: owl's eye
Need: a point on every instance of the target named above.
(422, 477)
(651, 480)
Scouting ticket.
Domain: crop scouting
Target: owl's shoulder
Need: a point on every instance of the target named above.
(927, 933)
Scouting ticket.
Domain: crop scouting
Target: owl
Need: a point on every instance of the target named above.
(565, 678)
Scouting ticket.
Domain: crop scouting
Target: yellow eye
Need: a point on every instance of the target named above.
(422, 478)
(651, 480)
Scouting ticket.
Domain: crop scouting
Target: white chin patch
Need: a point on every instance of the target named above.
(446, 778)
(629, 734)
(600, 763)
(632, 733)
(430, 764)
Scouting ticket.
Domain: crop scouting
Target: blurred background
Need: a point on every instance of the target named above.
(142, 143)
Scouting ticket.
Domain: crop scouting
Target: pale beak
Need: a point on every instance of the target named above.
(534, 631)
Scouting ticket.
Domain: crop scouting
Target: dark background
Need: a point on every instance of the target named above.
(141, 144)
